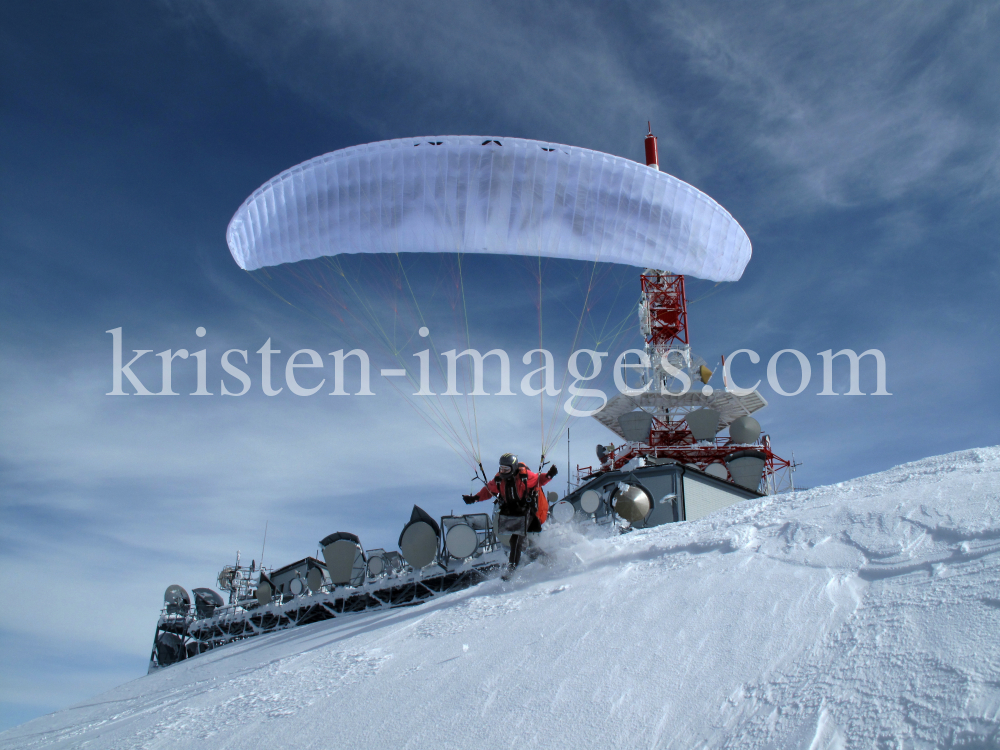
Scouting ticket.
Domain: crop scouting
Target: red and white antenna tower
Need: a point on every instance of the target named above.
(664, 325)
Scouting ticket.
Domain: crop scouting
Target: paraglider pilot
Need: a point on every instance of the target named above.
(522, 508)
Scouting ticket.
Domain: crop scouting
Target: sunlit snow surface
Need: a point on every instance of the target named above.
(865, 614)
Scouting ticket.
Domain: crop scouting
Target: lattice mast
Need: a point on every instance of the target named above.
(663, 321)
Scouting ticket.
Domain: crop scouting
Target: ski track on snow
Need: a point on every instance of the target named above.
(865, 614)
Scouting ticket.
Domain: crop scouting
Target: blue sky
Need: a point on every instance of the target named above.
(855, 142)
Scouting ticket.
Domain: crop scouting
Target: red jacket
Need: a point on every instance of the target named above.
(534, 481)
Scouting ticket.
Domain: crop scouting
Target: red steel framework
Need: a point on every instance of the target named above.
(667, 306)
(666, 303)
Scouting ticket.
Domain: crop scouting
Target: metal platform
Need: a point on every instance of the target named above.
(182, 635)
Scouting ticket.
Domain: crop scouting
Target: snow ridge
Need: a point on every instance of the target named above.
(864, 614)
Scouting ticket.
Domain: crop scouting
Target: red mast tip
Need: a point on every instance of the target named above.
(652, 157)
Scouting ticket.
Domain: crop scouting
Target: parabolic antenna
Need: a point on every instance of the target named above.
(265, 590)
(177, 600)
(345, 561)
(419, 539)
(747, 468)
(730, 406)
(563, 512)
(314, 578)
(227, 578)
(635, 426)
(590, 501)
(376, 566)
(206, 601)
(487, 194)
(717, 470)
(394, 561)
(744, 430)
(703, 423)
(461, 541)
(632, 504)
(169, 649)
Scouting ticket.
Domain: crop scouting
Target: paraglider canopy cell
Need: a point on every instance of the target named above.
(475, 194)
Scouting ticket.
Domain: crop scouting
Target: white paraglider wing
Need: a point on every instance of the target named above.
(472, 194)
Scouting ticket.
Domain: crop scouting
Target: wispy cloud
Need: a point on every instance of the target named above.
(853, 101)
(835, 104)
(857, 143)
(560, 71)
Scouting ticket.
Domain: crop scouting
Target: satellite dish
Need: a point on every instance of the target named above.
(264, 591)
(747, 468)
(717, 470)
(744, 430)
(418, 543)
(394, 561)
(562, 512)
(636, 425)
(206, 602)
(703, 423)
(705, 374)
(461, 541)
(314, 578)
(227, 577)
(376, 566)
(633, 504)
(552, 497)
(590, 501)
(177, 600)
(298, 587)
(345, 560)
(419, 538)
(169, 649)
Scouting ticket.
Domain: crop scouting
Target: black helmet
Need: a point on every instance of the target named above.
(508, 464)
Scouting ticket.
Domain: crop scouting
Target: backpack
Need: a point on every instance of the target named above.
(533, 500)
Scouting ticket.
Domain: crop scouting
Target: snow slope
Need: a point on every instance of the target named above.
(865, 614)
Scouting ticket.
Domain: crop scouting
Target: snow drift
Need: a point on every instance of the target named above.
(865, 614)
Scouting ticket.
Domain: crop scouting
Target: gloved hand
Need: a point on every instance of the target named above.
(470, 499)
(552, 471)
